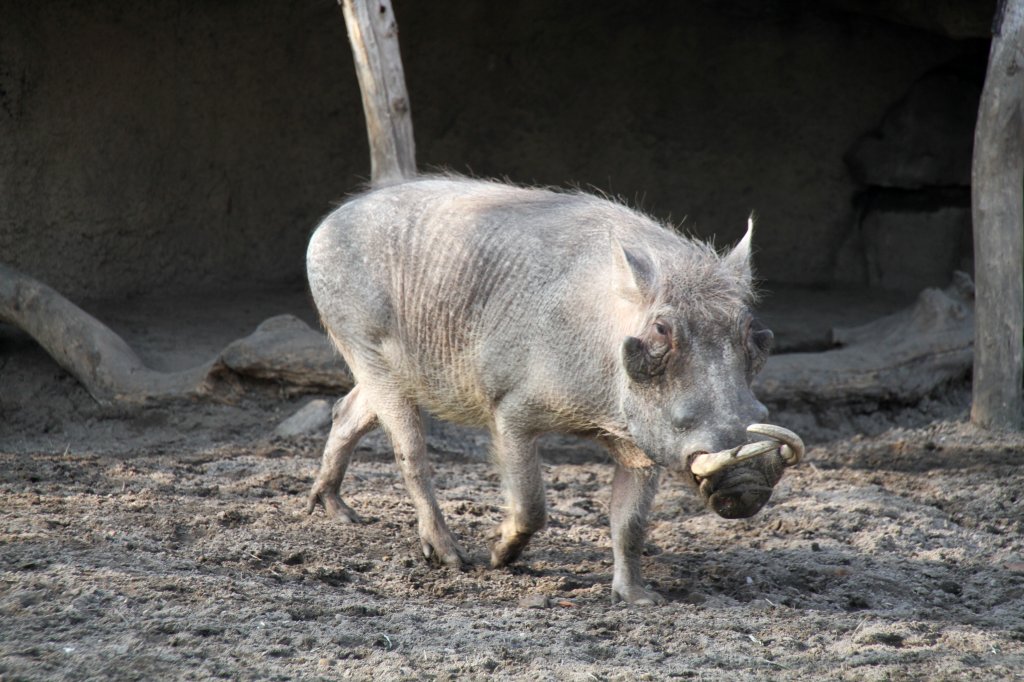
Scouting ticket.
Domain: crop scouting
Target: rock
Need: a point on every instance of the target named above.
(284, 348)
(311, 418)
(925, 139)
(535, 601)
(912, 242)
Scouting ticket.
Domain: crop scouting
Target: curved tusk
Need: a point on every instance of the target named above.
(705, 464)
(791, 450)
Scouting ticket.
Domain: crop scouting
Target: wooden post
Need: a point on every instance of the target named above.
(373, 32)
(997, 192)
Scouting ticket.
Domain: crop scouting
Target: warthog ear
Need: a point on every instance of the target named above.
(646, 357)
(635, 274)
(761, 339)
(738, 260)
(764, 339)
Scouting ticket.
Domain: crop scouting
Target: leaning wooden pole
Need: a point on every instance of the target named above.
(998, 210)
(373, 33)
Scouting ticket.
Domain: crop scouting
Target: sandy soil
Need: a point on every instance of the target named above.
(170, 543)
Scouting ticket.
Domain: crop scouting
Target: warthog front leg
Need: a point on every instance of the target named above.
(633, 491)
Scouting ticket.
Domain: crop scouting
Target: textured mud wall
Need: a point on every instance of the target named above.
(179, 144)
(173, 143)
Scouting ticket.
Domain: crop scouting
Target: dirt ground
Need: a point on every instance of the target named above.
(170, 543)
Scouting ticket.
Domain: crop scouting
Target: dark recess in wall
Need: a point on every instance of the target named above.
(182, 144)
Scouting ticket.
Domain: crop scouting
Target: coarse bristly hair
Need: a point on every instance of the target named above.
(690, 272)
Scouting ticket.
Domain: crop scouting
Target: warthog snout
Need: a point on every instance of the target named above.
(739, 504)
(737, 482)
(740, 492)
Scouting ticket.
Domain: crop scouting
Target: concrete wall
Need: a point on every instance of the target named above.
(182, 144)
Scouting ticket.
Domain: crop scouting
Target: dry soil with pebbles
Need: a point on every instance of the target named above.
(171, 543)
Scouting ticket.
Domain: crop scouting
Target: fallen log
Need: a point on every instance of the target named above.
(100, 359)
(901, 358)
(282, 349)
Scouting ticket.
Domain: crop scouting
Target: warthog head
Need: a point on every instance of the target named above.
(687, 399)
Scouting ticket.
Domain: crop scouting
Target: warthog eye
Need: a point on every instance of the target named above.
(658, 338)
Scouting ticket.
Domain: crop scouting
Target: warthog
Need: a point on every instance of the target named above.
(529, 311)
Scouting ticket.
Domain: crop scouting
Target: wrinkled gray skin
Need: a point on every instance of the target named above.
(527, 311)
